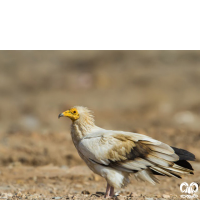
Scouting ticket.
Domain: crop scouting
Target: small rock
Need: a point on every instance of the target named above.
(96, 195)
(19, 194)
(147, 198)
(100, 193)
(134, 194)
(120, 197)
(34, 196)
(6, 195)
(166, 196)
(85, 192)
(10, 195)
(57, 198)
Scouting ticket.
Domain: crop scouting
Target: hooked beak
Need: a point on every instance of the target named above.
(64, 114)
(60, 115)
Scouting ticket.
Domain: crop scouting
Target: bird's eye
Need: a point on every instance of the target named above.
(74, 111)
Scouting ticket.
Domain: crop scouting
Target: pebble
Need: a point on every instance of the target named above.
(57, 198)
(134, 194)
(120, 198)
(166, 196)
(19, 194)
(146, 198)
(85, 192)
(6, 195)
(34, 196)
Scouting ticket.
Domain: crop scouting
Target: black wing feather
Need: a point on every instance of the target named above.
(183, 154)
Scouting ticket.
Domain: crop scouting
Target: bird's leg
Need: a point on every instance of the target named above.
(112, 193)
(107, 191)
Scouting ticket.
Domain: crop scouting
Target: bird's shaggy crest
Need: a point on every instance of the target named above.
(85, 114)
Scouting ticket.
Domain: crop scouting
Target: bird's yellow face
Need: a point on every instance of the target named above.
(72, 114)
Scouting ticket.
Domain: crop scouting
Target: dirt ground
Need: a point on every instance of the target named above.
(37, 166)
(150, 92)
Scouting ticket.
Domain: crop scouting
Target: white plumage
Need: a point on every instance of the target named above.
(115, 155)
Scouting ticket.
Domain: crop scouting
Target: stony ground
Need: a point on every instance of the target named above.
(52, 182)
(66, 177)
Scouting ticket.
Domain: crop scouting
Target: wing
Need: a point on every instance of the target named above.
(131, 152)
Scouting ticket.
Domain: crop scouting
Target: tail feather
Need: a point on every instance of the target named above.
(183, 154)
(180, 167)
(179, 171)
(163, 172)
(184, 163)
(171, 162)
(183, 157)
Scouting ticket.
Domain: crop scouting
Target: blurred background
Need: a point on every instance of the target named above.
(152, 92)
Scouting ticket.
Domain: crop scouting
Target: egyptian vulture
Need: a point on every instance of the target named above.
(115, 155)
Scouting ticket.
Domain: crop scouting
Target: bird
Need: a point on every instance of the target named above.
(115, 155)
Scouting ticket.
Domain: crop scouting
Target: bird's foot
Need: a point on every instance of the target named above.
(111, 197)
(108, 196)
